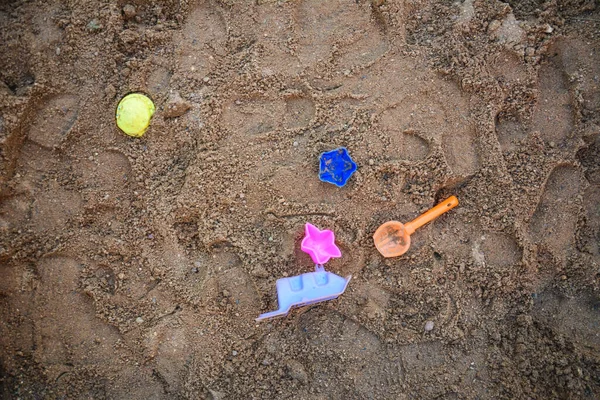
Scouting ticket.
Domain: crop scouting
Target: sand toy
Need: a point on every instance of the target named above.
(134, 113)
(392, 239)
(311, 287)
(336, 166)
(319, 244)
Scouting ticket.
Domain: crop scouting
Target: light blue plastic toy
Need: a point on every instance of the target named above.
(311, 287)
(305, 289)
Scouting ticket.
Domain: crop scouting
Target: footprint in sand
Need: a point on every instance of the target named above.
(589, 234)
(461, 151)
(419, 118)
(553, 115)
(405, 143)
(507, 68)
(35, 162)
(54, 208)
(509, 133)
(201, 42)
(364, 49)
(76, 336)
(575, 317)
(137, 383)
(170, 347)
(312, 191)
(274, 36)
(239, 291)
(358, 348)
(47, 34)
(420, 361)
(158, 81)
(299, 112)
(500, 250)
(441, 114)
(109, 171)
(589, 157)
(582, 60)
(247, 118)
(53, 120)
(590, 231)
(555, 218)
(343, 24)
(14, 210)
(339, 114)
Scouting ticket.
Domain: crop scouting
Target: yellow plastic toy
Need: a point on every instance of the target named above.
(134, 113)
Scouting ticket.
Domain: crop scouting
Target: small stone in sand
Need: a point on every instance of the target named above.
(129, 11)
(176, 106)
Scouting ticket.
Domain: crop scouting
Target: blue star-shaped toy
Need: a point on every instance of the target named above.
(336, 166)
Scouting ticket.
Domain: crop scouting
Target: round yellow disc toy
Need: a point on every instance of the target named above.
(134, 113)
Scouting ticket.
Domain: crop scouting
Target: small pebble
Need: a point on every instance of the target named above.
(110, 91)
(530, 51)
(129, 11)
(297, 371)
(139, 320)
(260, 272)
(235, 353)
(371, 161)
(494, 25)
(93, 25)
(295, 144)
(429, 326)
(176, 106)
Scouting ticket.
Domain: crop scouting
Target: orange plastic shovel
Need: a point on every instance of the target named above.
(392, 239)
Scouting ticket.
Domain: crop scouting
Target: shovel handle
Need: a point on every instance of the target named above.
(430, 215)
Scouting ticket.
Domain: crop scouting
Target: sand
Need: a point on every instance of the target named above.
(134, 268)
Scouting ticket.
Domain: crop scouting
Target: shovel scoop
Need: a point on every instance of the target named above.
(392, 239)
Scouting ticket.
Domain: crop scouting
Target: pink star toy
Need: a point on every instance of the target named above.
(311, 287)
(320, 245)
